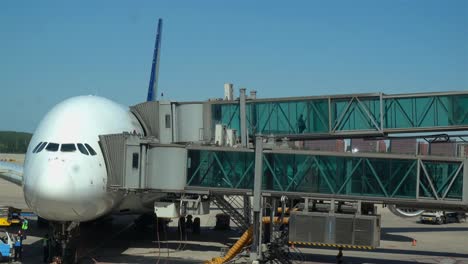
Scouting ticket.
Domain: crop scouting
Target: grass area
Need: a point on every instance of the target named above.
(14, 142)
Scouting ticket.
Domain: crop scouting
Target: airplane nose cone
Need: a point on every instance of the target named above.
(57, 193)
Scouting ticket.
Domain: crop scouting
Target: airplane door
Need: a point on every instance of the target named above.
(132, 175)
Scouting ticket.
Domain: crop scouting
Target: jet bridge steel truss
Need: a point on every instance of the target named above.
(396, 179)
(347, 115)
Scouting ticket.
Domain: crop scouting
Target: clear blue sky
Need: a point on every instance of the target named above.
(52, 50)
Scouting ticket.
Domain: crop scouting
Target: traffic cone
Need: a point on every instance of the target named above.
(414, 242)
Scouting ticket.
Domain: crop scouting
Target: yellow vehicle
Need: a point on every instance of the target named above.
(9, 216)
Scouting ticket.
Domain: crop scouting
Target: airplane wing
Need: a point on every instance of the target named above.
(11, 172)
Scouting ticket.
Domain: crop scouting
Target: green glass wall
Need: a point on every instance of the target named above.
(338, 115)
(431, 111)
(320, 174)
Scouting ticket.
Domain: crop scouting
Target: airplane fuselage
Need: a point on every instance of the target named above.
(65, 175)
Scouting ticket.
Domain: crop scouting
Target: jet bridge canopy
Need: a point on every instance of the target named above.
(134, 162)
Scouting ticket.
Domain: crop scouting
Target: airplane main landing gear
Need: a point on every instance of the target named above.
(63, 238)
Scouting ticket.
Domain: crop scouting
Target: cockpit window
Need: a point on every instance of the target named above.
(41, 147)
(69, 147)
(52, 147)
(90, 149)
(82, 149)
(34, 150)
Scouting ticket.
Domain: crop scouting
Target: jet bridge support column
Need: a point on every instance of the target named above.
(256, 253)
(243, 120)
(465, 182)
(143, 173)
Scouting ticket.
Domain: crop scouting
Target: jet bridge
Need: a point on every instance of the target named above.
(354, 115)
(337, 116)
(171, 122)
(194, 163)
(141, 164)
(181, 155)
(418, 181)
(138, 163)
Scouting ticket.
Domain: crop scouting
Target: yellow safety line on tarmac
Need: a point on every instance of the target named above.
(329, 245)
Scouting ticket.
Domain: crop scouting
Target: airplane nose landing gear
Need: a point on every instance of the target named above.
(64, 240)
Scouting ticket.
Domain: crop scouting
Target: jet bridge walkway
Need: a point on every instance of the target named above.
(360, 115)
(419, 181)
(422, 181)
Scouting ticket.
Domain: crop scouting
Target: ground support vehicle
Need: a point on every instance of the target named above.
(442, 217)
(6, 246)
(9, 216)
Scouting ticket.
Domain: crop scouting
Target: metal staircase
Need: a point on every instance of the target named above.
(230, 205)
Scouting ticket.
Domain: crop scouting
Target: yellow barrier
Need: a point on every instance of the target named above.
(329, 245)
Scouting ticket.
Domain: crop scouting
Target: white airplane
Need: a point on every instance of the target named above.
(65, 174)
(64, 177)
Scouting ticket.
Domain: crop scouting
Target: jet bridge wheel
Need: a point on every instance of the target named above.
(196, 225)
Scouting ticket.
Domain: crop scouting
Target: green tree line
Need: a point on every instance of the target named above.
(14, 142)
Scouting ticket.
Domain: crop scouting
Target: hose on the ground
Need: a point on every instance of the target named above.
(244, 240)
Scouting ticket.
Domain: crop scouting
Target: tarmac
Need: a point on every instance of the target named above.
(116, 239)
